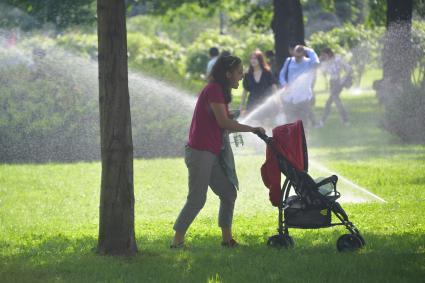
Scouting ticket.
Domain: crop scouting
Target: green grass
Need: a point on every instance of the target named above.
(49, 218)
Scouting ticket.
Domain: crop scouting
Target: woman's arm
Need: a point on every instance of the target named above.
(226, 123)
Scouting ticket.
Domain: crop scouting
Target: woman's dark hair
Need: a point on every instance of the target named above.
(223, 65)
(263, 64)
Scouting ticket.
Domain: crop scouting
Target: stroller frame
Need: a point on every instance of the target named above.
(347, 242)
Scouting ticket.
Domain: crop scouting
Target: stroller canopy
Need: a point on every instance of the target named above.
(289, 145)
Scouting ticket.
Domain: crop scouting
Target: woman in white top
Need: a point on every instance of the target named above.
(334, 66)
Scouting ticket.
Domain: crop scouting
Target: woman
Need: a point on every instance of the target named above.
(210, 122)
(258, 81)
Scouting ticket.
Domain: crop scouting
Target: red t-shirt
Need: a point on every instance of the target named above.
(205, 133)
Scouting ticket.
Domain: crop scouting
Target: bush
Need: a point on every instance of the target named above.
(50, 110)
(174, 23)
(158, 57)
(197, 53)
(81, 43)
(30, 15)
(44, 103)
(361, 46)
(252, 41)
(12, 17)
(146, 52)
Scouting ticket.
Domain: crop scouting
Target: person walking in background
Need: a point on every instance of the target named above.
(208, 154)
(258, 82)
(334, 66)
(296, 78)
(213, 52)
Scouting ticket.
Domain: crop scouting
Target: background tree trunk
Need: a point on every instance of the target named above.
(287, 26)
(116, 217)
(397, 53)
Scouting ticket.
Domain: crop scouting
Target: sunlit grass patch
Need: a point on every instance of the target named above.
(49, 218)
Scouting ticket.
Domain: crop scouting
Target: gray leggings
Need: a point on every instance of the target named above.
(336, 89)
(205, 170)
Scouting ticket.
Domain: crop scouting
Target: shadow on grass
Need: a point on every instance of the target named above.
(387, 258)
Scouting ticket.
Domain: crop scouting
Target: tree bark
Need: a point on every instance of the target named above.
(287, 26)
(116, 212)
(397, 53)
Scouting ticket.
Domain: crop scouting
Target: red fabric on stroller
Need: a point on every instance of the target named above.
(288, 142)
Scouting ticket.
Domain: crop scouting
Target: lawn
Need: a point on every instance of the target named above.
(49, 217)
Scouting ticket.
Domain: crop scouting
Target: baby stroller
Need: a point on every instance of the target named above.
(314, 202)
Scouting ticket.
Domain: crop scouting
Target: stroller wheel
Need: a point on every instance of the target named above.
(361, 239)
(279, 241)
(274, 241)
(289, 241)
(348, 243)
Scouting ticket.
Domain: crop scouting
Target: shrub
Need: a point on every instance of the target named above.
(197, 53)
(81, 43)
(29, 15)
(359, 45)
(146, 52)
(174, 23)
(253, 41)
(158, 57)
(50, 110)
(44, 103)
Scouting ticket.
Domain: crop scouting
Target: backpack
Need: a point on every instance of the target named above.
(287, 70)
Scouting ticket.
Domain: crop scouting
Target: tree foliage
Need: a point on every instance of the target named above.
(61, 13)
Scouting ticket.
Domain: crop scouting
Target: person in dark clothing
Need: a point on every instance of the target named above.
(258, 82)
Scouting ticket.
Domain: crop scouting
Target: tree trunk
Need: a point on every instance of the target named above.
(397, 53)
(116, 217)
(287, 26)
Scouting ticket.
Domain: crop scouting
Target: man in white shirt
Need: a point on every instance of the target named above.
(296, 77)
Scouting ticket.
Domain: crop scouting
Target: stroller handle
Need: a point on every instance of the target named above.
(264, 137)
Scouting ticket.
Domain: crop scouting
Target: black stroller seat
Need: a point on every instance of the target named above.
(314, 201)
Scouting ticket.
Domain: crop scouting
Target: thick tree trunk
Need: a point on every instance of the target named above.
(287, 26)
(116, 217)
(397, 53)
